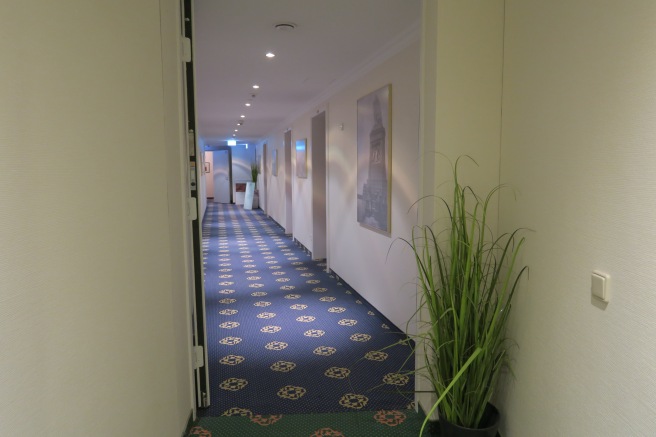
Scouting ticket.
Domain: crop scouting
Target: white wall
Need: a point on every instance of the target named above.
(462, 59)
(357, 254)
(578, 145)
(93, 314)
(468, 93)
(241, 163)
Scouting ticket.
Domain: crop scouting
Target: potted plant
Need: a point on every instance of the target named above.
(467, 279)
(255, 170)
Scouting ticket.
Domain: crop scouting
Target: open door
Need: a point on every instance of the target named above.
(199, 358)
(319, 220)
(262, 179)
(289, 222)
(222, 186)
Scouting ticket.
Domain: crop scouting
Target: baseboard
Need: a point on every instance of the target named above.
(387, 321)
(302, 246)
(190, 424)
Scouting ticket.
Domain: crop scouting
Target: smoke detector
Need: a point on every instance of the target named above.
(285, 27)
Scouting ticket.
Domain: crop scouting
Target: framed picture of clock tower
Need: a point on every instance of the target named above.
(375, 160)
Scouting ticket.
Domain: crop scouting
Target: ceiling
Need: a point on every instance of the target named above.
(331, 40)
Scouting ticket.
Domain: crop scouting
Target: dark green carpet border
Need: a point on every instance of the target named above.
(355, 424)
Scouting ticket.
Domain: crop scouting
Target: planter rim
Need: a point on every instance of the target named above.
(492, 413)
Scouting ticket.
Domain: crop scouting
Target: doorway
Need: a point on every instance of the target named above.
(289, 221)
(221, 176)
(319, 221)
(263, 185)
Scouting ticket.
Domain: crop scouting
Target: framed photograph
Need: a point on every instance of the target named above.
(375, 160)
(301, 158)
(274, 162)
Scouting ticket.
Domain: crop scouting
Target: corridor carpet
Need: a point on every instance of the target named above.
(286, 337)
(356, 424)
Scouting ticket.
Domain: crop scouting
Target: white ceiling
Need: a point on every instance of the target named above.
(332, 38)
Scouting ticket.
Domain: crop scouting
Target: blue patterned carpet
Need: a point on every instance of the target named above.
(286, 337)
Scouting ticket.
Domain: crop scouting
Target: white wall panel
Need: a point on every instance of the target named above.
(578, 145)
(88, 326)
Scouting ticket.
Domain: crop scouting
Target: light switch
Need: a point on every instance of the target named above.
(600, 286)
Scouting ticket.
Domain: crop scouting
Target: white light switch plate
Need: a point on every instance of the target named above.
(600, 286)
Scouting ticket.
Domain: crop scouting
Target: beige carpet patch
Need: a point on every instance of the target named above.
(227, 301)
(376, 356)
(354, 401)
(229, 325)
(230, 341)
(292, 296)
(233, 384)
(337, 372)
(395, 379)
(314, 333)
(270, 329)
(232, 360)
(283, 366)
(291, 392)
(236, 411)
(324, 351)
(276, 345)
(347, 322)
(228, 312)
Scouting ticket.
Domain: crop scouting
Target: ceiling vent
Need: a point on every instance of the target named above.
(285, 27)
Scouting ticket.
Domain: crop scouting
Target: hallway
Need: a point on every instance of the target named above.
(286, 337)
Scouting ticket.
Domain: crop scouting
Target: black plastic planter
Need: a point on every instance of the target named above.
(490, 426)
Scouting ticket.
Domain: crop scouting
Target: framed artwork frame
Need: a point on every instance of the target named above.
(374, 160)
(301, 158)
(274, 162)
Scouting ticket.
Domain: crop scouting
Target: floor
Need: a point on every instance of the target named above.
(287, 337)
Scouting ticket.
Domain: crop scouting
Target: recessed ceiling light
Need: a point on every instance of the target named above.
(270, 55)
(248, 104)
(242, 116)
(256, 87)
(236, 130)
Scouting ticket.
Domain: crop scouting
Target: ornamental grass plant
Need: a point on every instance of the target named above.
(255, 170)
(467, 279)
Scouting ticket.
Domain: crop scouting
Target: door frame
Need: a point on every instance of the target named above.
(319, 147)
(195, 163)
